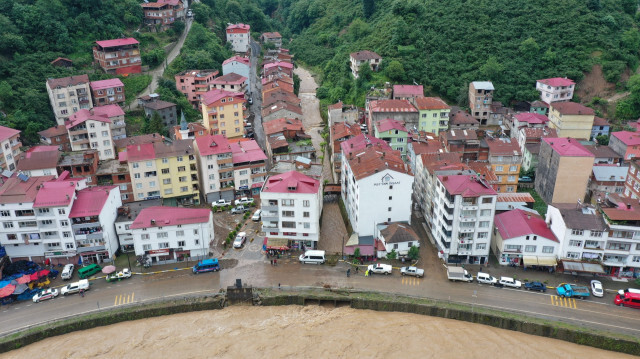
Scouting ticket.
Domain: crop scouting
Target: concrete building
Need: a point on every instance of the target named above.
(365, 56)
(231, 82)
(281, 110)
(277, 68)
(461, 120)
(464, 142)
(376, 188)
(621, 256)
(463, 230)
(56, 136)
(524, 239)
(89, 130)
(291, 207)
(605, 180)
(626, 144)
(67, 95)
(119, 56)
(39, 161)
(223, 113)
(166, 111)
(557, 89)
(394, 133)
(126, 215)
(564, 167)
(114, 172)
(195, 83)
(189, 131)
(407, 92)
(273, 97)
(338, 133)
(272, 37)
(238, 36)
(395, 237)
(632, 184)
(10, 142)
(116, 115)
(338, 112)
(571, 119)
(604, 155)
(161, 15)
(480, 100)
(525, 120)
(433, 113)
(529, 141)
(82, 164)
(399, 110)
(238, 65)
(107, 92)
(601, 127)
(169, 234)
(505, 159)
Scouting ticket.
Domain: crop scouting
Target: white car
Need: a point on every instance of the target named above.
(240, 239)
(380, 268)
(243, 201)
(76, 287)
(221, 203)
(67, 272)
(256, 215)
(45, 294)
(510, 282)
(596, 288)
(486, 278)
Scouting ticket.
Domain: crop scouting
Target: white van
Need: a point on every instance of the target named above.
(316, 257)
(486, 278)
(67, 272)
(76, 287)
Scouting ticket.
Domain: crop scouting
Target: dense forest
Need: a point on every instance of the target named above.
(446, 44)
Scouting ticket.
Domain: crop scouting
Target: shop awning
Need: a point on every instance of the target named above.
(277, 243)
(539, 261)
(574, 266)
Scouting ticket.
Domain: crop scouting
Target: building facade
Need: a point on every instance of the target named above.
(107, 92)
(480, 100)
(195, 83)
(557, 89)
(223, 113)
(571, 119)
(505, 159)
(361, 57)
(67, 95)
(238, 65)
(433, 114)
(10, 142)
(91, 131)
(626, 144)
(238, 36)
(394, 133)
(119, 56)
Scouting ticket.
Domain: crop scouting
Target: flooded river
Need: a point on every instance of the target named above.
(302, 332)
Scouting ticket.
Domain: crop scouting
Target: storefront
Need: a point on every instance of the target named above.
(160, 255)
(97, 257)
(61, 257)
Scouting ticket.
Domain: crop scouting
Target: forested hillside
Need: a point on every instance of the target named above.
(446, 44)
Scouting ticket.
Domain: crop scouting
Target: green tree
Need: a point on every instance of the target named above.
(395, 71)
(392, 255)
(529, 47)
(492, 69)
(369, 7)
(153, 124)
(414, 253)
(602, 140)
(356, 253)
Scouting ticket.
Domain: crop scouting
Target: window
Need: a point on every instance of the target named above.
(166, 181)
(106, 143)
(530, 249)
(574, 243)
(483, 235)
(149, 164)
(306, 225)
(181, 243)
(163, 245)
(168, 191)
(242, 173)
(5, 213)
(288, 224)
(487, 200)
(165, 171)
(66, 234)
(182, 179)
(577, 232)
(105, 133)
(306, 214)
(389, 209)
(146, 247)
(182, 169)
(43, 210)
(287, 202)
(139, 185)
(145, 236)
(511, 178)
(481, 246)
(635, 259)
(64, 223)
(195, 231)
(288, 213)
(547, 249)
(485, 212)
(140, 195)
(136, 175)
(484, 224)
(573, 255)
(596, 234)
(152, 183)
(7, 224)
(184, 189)
(180, 158)
(68, 245)
(135, 165)
(179, 233)
(499, 169)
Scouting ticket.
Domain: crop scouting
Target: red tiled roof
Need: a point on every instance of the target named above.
(281, 106)
(84, 115)
(55, 193)
(286, 65)
(462, 117)
(599, 121)
(54, 131)
(111, 110)
(484, 170)
(365, 55)
(557, 81)
(230, 78)
(466, 186)
(362, 141)
(537, 132)
(539, 103)
(163, 216)
(518, 223)
(280, 96)
(271, 35)
(90, 201)
(429, 147)
(572, 108)
(503, 147)
(627, 137)
(216, 95)
(140, 152)
(282, 124)
(335, 106)
(434, 162)
(117, 42)
(15, 190)
(567, 147)
(68, 81)
(532, 118)
(212, 145)
(6, 133)
(247, 151)
(38, 157)
(516, 197)
(408, 90)
(388, 124)
(371, 160)
(238, 28)
(106, 84)
(431, 103)
(291, 182)
(392, 106)
(241, 59)
(344, 129)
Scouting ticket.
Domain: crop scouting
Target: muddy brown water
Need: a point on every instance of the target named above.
(302, 332)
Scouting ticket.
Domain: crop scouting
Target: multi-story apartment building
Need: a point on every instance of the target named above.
(464, 210)
(114, 172)
(82, 164)
(480, 100)
(107, 92)
(238, 36)
(89, 130)
(376, 188)
(564, 167)
(408, 92)
(116, 115)
(621, 257)
(529, 140)
(195, 83)
(433, 113)
(604, 155)
(170, 234)
(119, 56)
(400, 110)
(56, 136)
(464, 142)
(238, 65)
(505, 159)
(277, 68)
(338, 133)
(291, 207)
(67, 95)
(249, 167)
(626, 144)
(10, 142)
(162, 14)
(557, 89)
(281, 109)
(126, 215)
(524, 239)
(39, 161)
(92, 218)
(163, 170)
(272, 37)
(394, 133)
(525, 120)
(223, 113)
(604, 180)
(632, 184)
(571, 119)
(365, 56)
(601, 127)
(166, 111)
(231, 82)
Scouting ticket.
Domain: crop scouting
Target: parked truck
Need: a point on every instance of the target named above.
(416, 272)
(572, 290)
(458, 273)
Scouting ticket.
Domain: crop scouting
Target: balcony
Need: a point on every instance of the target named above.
(91, 247)
(269, 216)
(270, 228)
(269, 208)
(614, 262)
(512, 250)
(469, 206)
(467, 230)
(468, 219)
(89, 221)
(86, 235)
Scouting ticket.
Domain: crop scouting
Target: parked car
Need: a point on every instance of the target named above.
(123, 274)
(596, 288)
(67, 272)
(75, 287)
(256, 215)
(510, 282)
(240, 239)
(416, 272)
(380, 268)
(525, 179)
(221, 203)
(485, 278)
(572, 290)
(540, 287)
(45, 294)
(239, 209)
(244, 201)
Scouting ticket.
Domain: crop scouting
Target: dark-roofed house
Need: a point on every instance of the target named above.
(80, 164)
(281, 110)
(461, 120)
(166, 110)
(114, 172)
(395, 236)
(39, 161)
(338, 133)
(365, 56)
(272, 37)
(121, 144)
(399, 110)
(126, 215)
(600, 127)
(231, 82)
(407, 92)
(604, 155)
(56, 136)
(464, 142)
(480, 100)
(606, 179)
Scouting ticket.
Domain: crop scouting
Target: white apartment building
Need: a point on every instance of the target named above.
(91, 131)
(464, 209)
(291, 206)
(172, 233)
(126, 215)
(239, 65)
(557, 89)
(68, 95)
(523, 238)
(376, 188)
(238, 36)
(92, 217)
(10, 148)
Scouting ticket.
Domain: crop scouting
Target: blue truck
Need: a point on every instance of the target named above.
(207, 265)
(572, 290)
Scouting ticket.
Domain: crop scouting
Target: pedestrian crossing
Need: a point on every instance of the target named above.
(124, 299)
(563, 302)
(411, 281)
